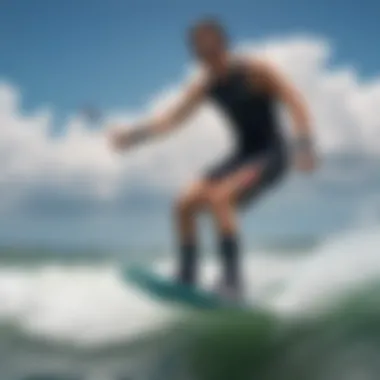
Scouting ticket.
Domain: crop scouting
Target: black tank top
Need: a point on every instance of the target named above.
(251, 111)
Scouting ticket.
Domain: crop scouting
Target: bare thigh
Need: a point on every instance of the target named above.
(195, 196)
(233, 186)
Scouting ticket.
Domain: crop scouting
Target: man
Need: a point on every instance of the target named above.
(247, 91)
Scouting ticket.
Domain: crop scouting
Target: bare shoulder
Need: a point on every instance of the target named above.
(261, 65)
(265, 74)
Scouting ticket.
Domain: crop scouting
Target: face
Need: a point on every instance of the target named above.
(208, 44)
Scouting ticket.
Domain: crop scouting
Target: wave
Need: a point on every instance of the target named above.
(88, 304)
(341, 344)
(315, 316)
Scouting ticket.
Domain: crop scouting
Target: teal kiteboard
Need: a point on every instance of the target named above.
(169, 291)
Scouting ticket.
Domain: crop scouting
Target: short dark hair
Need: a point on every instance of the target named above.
(207, 23)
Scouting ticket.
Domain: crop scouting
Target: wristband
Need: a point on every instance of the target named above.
(303, 143)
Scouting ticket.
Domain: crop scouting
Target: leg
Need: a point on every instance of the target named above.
(232, 184)
(224, 196)
(186, 210)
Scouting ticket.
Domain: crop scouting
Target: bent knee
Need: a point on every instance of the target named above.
(192, 199)
(217, 198)
(185, 204)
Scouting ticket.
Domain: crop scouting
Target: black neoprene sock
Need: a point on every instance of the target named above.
(187, 263)
(229, 250)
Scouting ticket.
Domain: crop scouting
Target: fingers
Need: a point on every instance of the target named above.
(118, 140)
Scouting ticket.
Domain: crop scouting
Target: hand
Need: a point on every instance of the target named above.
(305, 161)
(120, 139)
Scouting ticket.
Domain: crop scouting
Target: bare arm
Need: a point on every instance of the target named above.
(287, 93)
(180, 112)
(165, 122)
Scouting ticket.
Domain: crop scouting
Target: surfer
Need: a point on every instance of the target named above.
(247, 91)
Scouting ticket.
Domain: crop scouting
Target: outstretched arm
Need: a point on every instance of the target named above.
(164, 123)
(290, 96)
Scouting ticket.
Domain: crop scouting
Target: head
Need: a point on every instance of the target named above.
(208, 40)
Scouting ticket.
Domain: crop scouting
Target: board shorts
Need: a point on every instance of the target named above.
(273, 163)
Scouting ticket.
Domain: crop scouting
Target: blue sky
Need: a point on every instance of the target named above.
(115, 53)
(120, 55)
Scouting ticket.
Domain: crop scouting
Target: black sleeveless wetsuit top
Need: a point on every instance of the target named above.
(252, 112)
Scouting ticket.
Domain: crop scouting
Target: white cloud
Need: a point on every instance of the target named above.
(344, 107)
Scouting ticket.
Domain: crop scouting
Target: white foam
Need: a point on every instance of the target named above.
(92, 306)
(338, 266)
(77, 305)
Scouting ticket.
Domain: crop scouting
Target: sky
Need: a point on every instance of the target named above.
(59, 181)
(116, 53)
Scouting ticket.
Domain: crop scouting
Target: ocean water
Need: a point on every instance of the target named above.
(315, 316)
